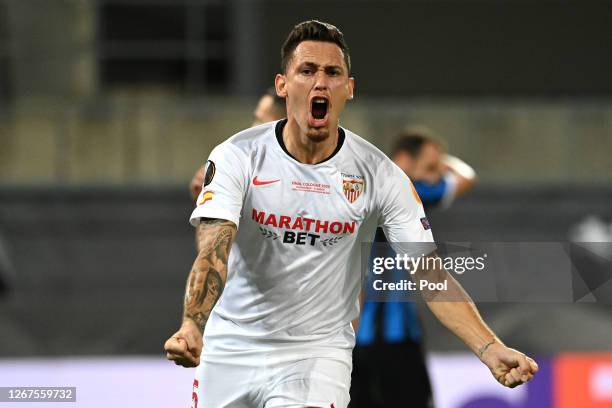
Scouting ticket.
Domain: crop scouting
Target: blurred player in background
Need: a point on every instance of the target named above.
(438, 177)
(305, 193)
(269, 108)
(389, 335)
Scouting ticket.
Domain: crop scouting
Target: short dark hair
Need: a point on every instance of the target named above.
(313, 30)
(412, 141)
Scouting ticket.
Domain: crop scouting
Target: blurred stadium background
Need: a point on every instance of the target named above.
(107, 107)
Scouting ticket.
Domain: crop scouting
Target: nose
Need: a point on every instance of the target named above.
(321, 81)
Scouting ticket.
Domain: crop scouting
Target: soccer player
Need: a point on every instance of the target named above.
(438, 177)
(293, 199)
(269, 108)
(389, 335)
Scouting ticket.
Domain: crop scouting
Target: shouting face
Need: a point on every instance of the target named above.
(316, 85)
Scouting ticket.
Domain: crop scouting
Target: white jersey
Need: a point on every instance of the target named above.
(294, 271)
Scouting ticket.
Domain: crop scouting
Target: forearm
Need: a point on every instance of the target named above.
(209, 272)
(455, 309)
(204, 287)
(463, 319)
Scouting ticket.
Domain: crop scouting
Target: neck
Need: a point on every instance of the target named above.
(303, 148)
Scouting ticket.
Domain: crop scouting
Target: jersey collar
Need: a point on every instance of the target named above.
(280, 125)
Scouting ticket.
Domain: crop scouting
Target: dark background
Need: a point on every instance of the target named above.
(510, 47)
(443, 47)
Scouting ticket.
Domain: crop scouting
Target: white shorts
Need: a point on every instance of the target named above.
(309, 382)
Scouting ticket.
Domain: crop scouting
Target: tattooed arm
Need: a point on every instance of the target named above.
(204, 287)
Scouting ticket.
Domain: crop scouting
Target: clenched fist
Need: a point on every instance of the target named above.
(185, 346)
(509, 367)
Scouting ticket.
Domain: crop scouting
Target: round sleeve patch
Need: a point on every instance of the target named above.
(209, 172)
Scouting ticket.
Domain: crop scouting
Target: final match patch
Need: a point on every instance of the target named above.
(209, 172)
(425, 223)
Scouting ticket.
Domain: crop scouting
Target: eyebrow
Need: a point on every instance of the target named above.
(326, 67)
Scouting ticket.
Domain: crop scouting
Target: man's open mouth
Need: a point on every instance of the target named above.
(318, 107)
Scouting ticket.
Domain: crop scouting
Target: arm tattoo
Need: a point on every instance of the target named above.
(209, 272)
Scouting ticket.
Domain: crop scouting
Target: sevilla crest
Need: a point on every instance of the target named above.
(352, 188)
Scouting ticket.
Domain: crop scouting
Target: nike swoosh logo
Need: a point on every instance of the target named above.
(262, 182)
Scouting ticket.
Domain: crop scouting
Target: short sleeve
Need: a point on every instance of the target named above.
(401, 216)
(224, 186)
